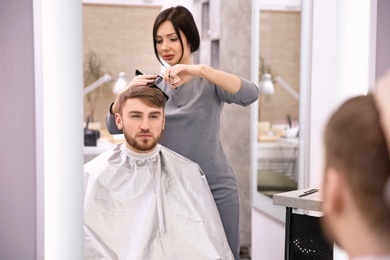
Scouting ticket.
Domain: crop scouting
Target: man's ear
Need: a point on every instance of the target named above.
(333, 192)
(118, 121)
(163, 124)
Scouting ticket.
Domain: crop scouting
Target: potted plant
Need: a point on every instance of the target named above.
(93, 70)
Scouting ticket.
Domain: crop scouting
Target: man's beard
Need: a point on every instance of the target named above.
(143, 145)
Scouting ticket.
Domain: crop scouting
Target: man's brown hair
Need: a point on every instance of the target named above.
(355, 146)
(149, 95)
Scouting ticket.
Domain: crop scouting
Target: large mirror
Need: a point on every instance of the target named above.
(109, 48)
(280, 65)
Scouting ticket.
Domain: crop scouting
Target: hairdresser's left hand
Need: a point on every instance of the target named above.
(179, 74)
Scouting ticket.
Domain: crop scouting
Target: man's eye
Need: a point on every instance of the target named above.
(135, 116)
(153, 116)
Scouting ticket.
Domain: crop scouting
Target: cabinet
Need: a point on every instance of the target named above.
(277, 166)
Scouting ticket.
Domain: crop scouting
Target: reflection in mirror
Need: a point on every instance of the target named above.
(281, 33)
(109, 48)
(278, 111)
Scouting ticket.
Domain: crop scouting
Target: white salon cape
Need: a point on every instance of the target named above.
(150, 206)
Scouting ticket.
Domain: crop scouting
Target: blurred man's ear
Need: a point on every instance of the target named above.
(118, 121)
(333, 192)
(163, 126)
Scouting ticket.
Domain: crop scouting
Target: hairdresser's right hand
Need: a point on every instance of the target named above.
(140, 80)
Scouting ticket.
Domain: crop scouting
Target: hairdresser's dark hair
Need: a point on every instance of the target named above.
(149, 95)
(182, 20)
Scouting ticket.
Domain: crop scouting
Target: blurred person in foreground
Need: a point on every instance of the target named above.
(357, 167)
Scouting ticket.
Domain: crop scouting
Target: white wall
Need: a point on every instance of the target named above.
(59, 100)
(41, 134)
(164, 3)
(383, 38)
(329, 87)
(324, 78)
(323, 75)
(17, 132)
(267, 237)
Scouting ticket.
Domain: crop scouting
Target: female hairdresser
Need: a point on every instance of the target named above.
(197, 94)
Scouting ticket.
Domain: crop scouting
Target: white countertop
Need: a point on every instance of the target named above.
(291, 199)
(292, 141)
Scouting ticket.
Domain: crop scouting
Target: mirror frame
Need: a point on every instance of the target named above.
(258, 200)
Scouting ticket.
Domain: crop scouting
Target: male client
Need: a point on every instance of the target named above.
(144, 201)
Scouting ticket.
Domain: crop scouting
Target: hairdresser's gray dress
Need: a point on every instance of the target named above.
(192, 130)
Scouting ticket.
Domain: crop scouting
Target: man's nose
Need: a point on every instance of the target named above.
(145, 124)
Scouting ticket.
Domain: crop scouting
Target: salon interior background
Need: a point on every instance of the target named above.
(109, 31)
(38, 38)
(22, 218)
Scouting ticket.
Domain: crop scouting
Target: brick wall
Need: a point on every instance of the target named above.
(121, 35)
(280, 48)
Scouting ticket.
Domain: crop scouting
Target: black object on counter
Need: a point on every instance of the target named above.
(90, 135)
